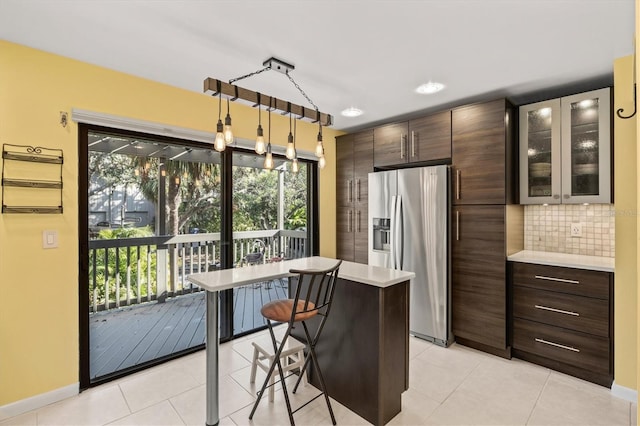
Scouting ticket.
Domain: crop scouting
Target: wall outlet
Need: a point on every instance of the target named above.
(576, 229)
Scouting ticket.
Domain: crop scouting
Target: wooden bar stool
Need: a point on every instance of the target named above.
(313, 297)
(292, 356)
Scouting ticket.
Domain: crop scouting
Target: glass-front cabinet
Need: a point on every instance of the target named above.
(565, 150)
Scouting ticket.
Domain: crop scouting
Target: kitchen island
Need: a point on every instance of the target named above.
(364, 348)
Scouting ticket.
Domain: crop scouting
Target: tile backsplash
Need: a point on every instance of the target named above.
(548, 228)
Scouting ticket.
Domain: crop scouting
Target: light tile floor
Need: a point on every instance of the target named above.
(452, 386)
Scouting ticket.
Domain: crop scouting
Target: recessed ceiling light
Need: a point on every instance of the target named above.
(429, 88)
(352, 112)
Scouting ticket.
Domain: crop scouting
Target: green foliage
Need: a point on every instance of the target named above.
(105, 266)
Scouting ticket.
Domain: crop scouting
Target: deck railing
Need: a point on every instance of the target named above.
(129, 271)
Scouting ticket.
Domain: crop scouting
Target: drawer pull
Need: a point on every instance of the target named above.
(562, 280)
(557, 345)
(560, 311)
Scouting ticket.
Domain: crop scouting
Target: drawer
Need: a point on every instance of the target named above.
(570, 347)
(565, 280)
(585, 314)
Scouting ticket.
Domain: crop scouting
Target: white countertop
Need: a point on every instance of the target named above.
(593, 263)
(225, 279)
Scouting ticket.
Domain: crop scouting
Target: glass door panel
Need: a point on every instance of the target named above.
(154, 217)
(585, 147)
(540, 153)
(269, 225)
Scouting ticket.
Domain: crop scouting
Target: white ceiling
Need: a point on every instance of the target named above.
(370, 54)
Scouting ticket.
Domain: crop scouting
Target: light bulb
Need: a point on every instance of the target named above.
(136, 172)
(319, 149)
(290, 153)
(259, 141)
(295, 167)
(219, 144)
(322, 162)
(177, 180)
(268, 161)
(228, 132)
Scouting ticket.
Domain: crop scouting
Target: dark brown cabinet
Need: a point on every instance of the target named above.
(483, 231)
(390, 143)
(422, 140)
(562, 319)
(354, 153)
(479, 295)
(482, 153)
(430, 138)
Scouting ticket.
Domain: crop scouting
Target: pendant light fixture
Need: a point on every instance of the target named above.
(259, 133)
(290, 153)
(319, 146)
(295, 167)
(224, 133)
(228, 132)
(219, 144)
(268, 159)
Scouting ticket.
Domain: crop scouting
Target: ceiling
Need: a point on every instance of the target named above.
(369, 54)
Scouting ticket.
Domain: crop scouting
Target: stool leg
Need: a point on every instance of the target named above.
(254, 365)
(302, 372)
(314, 359)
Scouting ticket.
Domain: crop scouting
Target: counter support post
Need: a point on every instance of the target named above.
(212, 359)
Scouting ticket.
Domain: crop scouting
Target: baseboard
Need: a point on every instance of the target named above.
(624, 393)
(38, 401)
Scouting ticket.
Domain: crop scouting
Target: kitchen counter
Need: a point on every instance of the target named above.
(357, 272)
(593, 263)
(368, 331)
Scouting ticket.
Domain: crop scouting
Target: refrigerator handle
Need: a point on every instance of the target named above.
(399, 233)
(457, 225)
(393, 247)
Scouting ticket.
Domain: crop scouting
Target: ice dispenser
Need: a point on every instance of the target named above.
(381, 234)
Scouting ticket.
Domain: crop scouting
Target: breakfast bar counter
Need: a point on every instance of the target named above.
(364, 348)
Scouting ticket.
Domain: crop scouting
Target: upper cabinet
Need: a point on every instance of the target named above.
(482, 153)
(565, 150)
(421, 140)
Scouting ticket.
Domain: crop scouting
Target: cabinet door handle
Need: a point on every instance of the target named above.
(556, 196)
(560, 311)
(458, 177)
(557, 345)
(358, 190)
(457, 225)
(401, 145)
(413, 144)
(561, 280)
(349, 187)
(567, 196)
(349, 227)
(358, 221)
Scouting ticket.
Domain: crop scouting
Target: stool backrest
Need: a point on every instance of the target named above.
(315, 289)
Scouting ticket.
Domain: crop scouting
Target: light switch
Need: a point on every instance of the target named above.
(50, 239)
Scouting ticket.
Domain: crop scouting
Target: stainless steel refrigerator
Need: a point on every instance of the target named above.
(408, 230)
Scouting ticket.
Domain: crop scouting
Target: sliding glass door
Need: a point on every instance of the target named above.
(157, 210)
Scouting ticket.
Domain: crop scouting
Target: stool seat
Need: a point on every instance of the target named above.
(280, 310)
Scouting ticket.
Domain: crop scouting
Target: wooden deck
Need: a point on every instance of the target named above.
(125, 337)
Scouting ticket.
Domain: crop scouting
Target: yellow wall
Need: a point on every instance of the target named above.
(637, 79)
(625, 196)
(39, 288)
